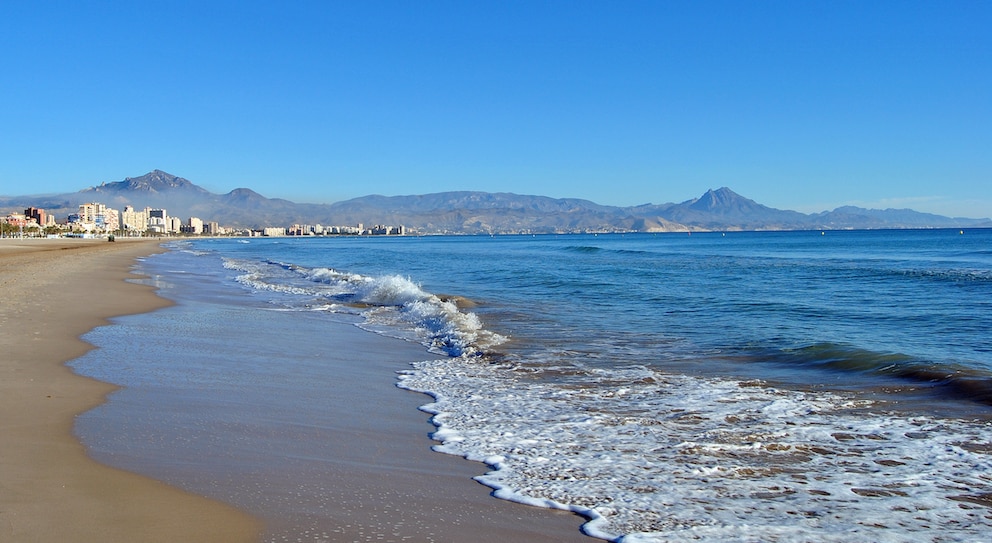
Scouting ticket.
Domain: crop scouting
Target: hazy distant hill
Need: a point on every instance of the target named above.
(723, 209)
(474, 212)
(876, 218)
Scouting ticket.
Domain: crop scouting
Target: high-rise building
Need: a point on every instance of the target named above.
(158, 221)
(89, 213)
(38, 215)
(111, 219)
(194, 226)
(134, 221)
(99, 216)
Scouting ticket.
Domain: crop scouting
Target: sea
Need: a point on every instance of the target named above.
(712, 386)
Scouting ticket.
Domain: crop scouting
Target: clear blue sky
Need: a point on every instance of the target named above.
(799, 105)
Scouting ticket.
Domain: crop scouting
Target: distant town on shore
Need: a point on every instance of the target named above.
(159, 203)
(97, 220)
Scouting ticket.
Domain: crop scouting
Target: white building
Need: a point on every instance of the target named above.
(134, 221)
(194, 226)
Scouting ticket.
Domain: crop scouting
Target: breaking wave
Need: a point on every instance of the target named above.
(387, 302)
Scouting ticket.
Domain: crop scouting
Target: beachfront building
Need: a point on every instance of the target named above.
(158, 221)
(85, 218)
(358, 230)
(133, 221)
(99, 216)
(384, 230)
(88, 212)
(110, 220)
(342, 230)
(354, 230)
(39, 216)
(95, 217)
(16, 225)
(193, 226)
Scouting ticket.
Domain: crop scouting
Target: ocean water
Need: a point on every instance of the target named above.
(779, 386)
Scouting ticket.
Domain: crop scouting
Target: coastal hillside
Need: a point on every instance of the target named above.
(469, 212)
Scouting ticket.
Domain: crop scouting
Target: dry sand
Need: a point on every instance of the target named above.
(51, 292)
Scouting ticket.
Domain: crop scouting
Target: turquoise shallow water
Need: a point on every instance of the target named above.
(740, 386)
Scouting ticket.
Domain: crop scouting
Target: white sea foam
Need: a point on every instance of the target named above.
(655, 457)
(391, 302)
(256, 275)
(445, 328)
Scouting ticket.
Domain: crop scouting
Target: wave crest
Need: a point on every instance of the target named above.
(387, 302)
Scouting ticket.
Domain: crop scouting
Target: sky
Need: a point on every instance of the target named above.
(802, 105)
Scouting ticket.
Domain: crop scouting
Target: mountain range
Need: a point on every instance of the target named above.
(475, 212)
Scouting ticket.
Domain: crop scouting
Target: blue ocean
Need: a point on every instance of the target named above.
(738, 386)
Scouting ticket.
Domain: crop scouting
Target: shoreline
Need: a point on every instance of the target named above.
(294, 417)
(51, 293)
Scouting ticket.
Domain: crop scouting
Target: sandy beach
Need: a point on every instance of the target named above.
(52, 291)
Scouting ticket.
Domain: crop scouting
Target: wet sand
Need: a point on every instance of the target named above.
(51, 292)
(388, 490)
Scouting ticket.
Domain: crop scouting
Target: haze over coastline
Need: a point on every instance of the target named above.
(806, 107)
(243, 211)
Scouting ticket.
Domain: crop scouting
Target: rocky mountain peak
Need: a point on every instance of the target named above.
(156, 181)
(721, 200)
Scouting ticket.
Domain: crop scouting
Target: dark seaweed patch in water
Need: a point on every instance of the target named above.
(590, 249)
(954, 381)
(582, 249)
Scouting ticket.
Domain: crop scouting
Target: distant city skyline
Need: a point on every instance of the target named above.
(801, 106)
(441, 213)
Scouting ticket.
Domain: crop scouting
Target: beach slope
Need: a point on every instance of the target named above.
(52, 292)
